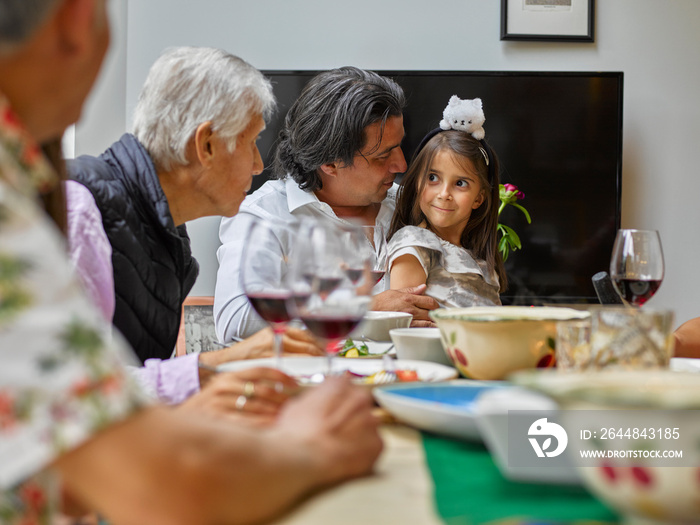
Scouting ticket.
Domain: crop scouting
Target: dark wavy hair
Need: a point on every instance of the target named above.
(480, 235)
(327, 122)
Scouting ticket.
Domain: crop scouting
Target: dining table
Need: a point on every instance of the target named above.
(399, 490)
(424, 479)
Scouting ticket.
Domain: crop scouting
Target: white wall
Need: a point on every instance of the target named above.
(654, 42)
(104, 115)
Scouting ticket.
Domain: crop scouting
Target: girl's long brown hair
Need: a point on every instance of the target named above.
(480, 235)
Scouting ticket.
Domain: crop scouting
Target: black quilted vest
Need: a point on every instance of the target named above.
(153, 265)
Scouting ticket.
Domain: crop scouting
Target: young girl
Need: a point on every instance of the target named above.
(443, 232)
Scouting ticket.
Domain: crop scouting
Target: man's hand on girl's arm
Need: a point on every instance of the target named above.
(410, 300)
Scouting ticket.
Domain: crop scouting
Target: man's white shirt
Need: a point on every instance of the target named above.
(282, 203)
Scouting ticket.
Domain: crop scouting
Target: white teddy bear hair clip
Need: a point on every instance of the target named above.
(464, 115)
(461, 115)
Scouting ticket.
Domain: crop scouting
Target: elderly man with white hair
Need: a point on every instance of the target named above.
(191, 155)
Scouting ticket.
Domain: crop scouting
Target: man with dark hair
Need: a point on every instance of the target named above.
(336, 160)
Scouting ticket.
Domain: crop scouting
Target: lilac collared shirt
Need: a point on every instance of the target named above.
(90, 250)
(170, 380)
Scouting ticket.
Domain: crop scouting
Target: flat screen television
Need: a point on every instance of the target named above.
(558, 136)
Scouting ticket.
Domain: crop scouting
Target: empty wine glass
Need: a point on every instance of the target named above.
(327, 297)
(264, 282)
(367, 256)
(637, 265)
(379, 257)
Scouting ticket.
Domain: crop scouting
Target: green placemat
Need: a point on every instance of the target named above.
(469, 489)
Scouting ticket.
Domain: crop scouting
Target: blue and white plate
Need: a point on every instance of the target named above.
(443, 408)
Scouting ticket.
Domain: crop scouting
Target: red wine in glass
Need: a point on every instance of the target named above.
(377, 275)
(324, 286)
(637, 291)
(354, 274)
(637, 264)
(272, 307)
(331, 328)
(300, 298)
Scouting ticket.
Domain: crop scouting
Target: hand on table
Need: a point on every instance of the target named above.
(335, 424)
(409, 300)
(298, 341)
(259, 345)
(253, 396)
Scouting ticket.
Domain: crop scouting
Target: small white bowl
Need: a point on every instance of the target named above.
(375, 325)
(421, 344)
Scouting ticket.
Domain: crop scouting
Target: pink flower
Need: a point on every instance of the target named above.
(510, 187)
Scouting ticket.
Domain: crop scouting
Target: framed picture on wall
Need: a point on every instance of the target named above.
(197, 332)
(547, 20)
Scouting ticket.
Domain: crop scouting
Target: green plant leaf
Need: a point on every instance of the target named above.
(512, 237)
(504, 248)
(527, 215)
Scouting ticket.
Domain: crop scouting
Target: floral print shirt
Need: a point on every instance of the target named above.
(61, 379)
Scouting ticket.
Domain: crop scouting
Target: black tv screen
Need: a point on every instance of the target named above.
(558, 136)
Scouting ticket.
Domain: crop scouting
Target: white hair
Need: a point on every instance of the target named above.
(188, 86)
(19, 19)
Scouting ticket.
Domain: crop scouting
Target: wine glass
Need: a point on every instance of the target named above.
(367, 256)
(264, 282)
(327, 296)
(379, 257)
(637, 265)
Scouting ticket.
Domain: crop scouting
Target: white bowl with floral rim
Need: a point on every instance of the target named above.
(490, 342)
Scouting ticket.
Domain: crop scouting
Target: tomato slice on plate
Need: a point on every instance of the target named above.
(407, 375)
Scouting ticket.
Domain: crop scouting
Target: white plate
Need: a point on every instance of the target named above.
(685, 364)
(308, 366)
(443, 408)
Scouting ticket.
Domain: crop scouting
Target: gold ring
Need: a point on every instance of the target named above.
(249, 389)
(240, 402)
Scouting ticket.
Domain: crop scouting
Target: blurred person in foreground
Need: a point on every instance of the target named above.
(70, 417)
(337, 157)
